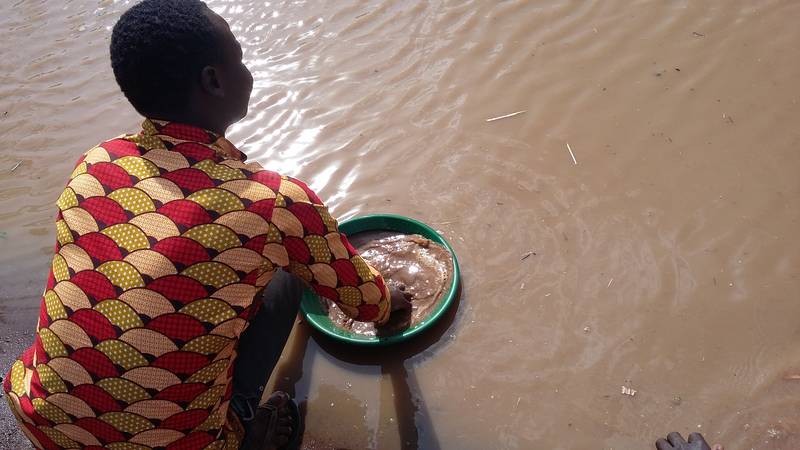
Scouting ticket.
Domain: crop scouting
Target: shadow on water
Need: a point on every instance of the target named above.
(411, 411)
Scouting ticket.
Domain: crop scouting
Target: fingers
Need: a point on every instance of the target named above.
(662, 444)
(696, 437)
(676, 439)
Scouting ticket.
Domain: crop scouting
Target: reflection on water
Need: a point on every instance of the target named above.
(400, 403)
(665, 259)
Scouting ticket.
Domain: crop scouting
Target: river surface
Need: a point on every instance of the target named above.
(655, 176)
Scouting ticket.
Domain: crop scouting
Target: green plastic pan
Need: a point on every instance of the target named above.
(315, 314)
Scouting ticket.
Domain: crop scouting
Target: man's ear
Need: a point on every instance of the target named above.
(210, 82)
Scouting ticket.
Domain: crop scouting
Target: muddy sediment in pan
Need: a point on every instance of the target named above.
(408, 262)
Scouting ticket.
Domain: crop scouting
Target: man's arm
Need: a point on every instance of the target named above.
(308, 243)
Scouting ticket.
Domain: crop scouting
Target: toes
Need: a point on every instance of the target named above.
(286, 421)
(278, 399)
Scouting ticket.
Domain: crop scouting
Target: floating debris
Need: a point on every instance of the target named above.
(774, 433)
(574, 161)
(696, 34)
(610, 282)
(677, 400)
(628, 391)
(527, 255)
(507, 115)
(16, 166)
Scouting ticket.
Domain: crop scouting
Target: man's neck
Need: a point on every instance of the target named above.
(189, 119)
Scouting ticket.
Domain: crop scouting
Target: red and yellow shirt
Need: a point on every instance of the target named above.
(164, 240)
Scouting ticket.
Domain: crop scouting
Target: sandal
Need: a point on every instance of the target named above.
(266, 422)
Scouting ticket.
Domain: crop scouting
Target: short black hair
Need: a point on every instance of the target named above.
(158, 48)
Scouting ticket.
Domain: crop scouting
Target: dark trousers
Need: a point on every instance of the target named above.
(262, 342)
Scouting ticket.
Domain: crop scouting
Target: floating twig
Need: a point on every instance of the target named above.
(610, 282)
(695, 33)
(15, 166)
(527, 255)
(574, 161)
(362, 14)
(507, 115)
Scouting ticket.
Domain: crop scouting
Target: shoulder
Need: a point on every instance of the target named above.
(106, 152)
(285, 186)
(113, 149)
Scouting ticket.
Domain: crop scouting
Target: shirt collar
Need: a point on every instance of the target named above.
(179, 132)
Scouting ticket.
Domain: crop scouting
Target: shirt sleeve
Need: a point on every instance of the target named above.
(310, 246)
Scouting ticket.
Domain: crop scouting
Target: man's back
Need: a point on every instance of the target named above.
(164, 239)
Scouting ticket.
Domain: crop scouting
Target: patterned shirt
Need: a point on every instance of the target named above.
(164, 240)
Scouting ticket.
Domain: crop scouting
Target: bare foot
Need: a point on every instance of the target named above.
(285, 424)
(273, 426)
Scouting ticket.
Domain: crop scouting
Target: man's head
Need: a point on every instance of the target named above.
(178, 60)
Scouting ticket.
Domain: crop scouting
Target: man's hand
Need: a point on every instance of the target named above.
(400, 299)
(400, 316)
(674, 441)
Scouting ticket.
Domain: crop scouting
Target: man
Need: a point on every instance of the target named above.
(166, 240)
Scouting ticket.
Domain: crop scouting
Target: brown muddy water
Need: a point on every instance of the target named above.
(666, 256)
